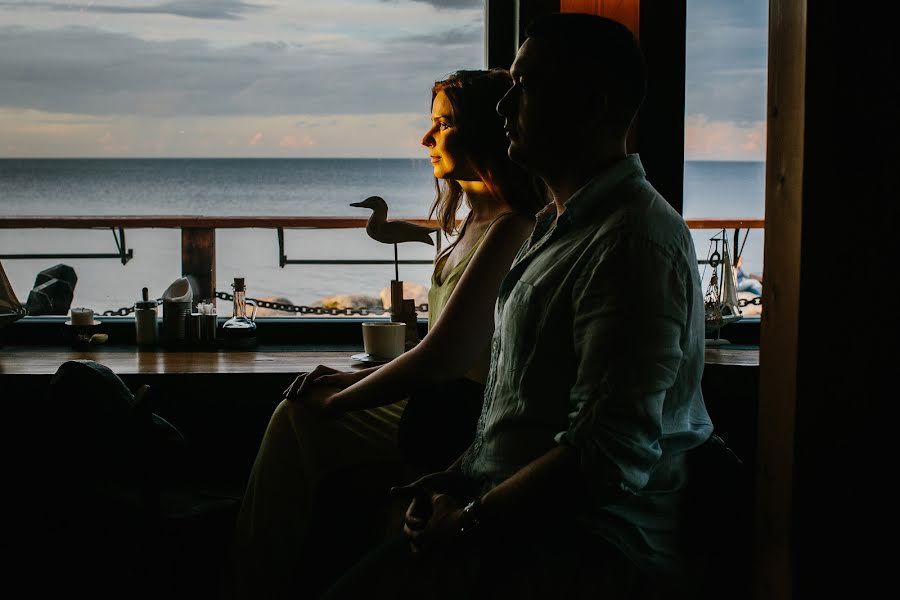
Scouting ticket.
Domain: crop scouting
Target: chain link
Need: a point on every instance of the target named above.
(344, 312)
(280, 306)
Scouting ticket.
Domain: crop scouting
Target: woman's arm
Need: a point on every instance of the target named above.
(326, 376)
(461, 333)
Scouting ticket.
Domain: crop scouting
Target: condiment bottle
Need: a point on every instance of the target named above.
(240, 330)
(146, 328)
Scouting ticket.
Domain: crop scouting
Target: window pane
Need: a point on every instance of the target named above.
(725, 122)
(279, 108)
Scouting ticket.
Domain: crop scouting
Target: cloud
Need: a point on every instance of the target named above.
(727, 60)
(192, 9)
(450, 37)
(706, 139)
(95, 72)
(448, 4)
(25, 134)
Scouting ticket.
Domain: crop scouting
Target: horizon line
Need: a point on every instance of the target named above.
(762, 160)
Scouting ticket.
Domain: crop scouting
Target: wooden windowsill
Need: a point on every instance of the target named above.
(36, 360)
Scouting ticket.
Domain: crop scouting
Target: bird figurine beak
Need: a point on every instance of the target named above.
(358, 204)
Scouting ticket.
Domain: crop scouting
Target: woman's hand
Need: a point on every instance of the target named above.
(306, 380)
(291, 391)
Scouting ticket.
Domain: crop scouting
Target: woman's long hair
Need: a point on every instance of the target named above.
(473, 96)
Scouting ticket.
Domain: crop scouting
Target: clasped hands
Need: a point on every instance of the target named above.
(435, 513)
(316, 388)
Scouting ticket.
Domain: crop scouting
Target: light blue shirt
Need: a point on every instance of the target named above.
(599, 345)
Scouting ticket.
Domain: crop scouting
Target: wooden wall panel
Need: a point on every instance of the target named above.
(627, 12)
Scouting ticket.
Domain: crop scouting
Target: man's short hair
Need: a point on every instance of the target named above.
(595, 46)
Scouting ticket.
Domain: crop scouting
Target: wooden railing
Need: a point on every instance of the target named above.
(198, 233)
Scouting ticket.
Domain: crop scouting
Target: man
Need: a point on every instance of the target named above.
(574, 481)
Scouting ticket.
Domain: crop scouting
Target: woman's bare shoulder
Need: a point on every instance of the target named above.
(513, 225)
(510, 229)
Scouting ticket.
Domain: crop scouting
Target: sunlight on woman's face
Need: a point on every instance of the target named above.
(448, 159)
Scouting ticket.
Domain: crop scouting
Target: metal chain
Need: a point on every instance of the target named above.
(291, 308)
(321, 310)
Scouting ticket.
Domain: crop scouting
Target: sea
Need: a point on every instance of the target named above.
(271, 187)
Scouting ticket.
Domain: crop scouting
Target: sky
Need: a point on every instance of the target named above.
(302, 78)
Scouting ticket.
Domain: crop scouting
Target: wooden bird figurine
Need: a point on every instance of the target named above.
(391, 232)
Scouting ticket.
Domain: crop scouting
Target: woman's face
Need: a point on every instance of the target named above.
(448, 159)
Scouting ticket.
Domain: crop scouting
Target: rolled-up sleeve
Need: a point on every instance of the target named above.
(630, 310)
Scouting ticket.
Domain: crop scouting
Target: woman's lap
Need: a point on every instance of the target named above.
(302, 452)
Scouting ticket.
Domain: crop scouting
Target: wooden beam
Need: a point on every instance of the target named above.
(198, 261)
(242, 222)
(658, 134)
(780, 319)
(500, 33)
(189, 221)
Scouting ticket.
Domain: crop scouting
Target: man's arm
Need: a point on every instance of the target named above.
(540, 492)
(629, 313)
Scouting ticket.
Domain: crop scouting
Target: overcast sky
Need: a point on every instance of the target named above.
(301, 78)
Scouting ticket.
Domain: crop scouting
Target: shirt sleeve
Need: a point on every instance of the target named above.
(630, 311)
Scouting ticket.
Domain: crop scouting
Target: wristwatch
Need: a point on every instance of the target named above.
(471, 517)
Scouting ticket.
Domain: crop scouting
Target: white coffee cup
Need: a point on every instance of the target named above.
(384, 339)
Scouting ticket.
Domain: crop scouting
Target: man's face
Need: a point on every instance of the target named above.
(538, 109)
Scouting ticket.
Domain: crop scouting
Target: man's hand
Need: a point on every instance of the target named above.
(432, 521)
(435, 508)
(451, 482)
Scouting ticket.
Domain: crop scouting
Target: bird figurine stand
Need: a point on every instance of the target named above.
(395, 232)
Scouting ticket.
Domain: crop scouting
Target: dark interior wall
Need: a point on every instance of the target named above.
(845, 368)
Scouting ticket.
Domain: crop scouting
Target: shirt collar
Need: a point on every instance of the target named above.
(582, 205)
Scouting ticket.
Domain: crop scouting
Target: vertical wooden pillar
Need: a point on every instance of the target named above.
(828, 383)
(780, 320)
(499, 33)
(658, 134)
(198, 260)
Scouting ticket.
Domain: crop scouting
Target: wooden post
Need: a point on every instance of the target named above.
(396, 297)
(198, 260)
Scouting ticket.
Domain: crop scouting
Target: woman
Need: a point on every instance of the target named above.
(331, 422)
